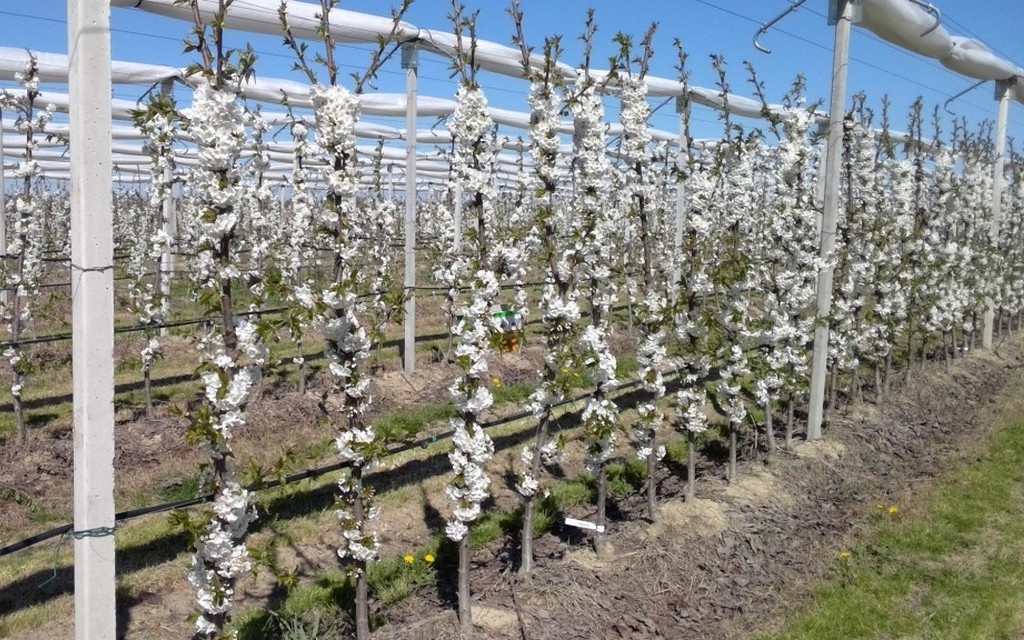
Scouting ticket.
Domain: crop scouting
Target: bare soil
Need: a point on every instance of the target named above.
(731, 563)
(724, 566)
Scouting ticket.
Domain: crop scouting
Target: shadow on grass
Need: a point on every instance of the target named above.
(42, 585)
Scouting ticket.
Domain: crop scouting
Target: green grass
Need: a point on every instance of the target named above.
(406, 424)
(951, 566)
(329, 598)
(626, 476)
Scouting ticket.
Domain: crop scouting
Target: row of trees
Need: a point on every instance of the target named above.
(713, 247)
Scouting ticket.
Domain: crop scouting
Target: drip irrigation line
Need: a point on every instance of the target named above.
(60, 337)
(421, 443)
(60, 285)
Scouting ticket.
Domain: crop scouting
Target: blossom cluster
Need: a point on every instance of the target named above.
(221, 554)
(474, 271)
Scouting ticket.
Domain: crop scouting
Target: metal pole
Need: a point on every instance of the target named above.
(998, 181)
(410, 59)
(92, 317)
(833, 159)
(170, 229)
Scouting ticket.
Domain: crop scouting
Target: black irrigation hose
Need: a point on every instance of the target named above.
(60, 337)
(61, 285)
(139, 328)
(302, 475)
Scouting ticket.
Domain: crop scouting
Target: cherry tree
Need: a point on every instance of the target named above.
(593, 223)
(149, 242)
(558, 306)
(21, 280)
(646, 207)
(232, 350)
(338, 308)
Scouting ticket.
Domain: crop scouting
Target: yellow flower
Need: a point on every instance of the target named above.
(880, 506)
(845, 555)
(495, 381)
(429, 558)
(409, 559)
(893, 510)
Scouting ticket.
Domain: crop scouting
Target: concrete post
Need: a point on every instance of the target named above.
(170, 226)
(833, 160)
(410, 61)
(998, 184)
(3, 206)
(682, 104)
(92, 316)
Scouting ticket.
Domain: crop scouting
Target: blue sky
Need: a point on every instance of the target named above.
(801, 44)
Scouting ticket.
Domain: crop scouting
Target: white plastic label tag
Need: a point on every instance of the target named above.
(583, 524)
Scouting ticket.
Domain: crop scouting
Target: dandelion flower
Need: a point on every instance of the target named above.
(429, 558)
(409, 559)
(893, 510)
(845, 555)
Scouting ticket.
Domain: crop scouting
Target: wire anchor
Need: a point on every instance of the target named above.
(945, 105)
(933, 10)
(793, 5)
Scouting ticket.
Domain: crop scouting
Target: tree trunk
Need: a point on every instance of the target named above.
(652, 485)
(530, 507)
(769, 433)
(790, 407)
(691, 465)
(465, 615)
(731, 475)
(20, 430)
(833, 391)
(147, 387)
(220, 472)
(600, 544)
(526, 536)
(301, 387)
(887, 378)
(362, 587)
(910, 351)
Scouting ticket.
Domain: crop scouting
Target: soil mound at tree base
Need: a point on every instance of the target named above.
(730, 564)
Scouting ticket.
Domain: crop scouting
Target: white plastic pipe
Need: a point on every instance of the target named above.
(92, 317)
